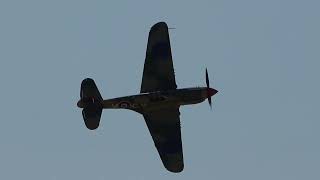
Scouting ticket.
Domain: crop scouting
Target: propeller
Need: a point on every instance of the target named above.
(210, 91)
(208, 86)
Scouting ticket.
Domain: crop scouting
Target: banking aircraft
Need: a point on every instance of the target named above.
(159, 99)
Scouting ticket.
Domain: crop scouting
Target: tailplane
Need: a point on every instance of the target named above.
(91, 102)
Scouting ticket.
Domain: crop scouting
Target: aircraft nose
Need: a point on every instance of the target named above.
(212, 92)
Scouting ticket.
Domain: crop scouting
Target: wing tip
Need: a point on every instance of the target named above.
(87, 81)
(161, 24)
(175, 167)
(173, 162)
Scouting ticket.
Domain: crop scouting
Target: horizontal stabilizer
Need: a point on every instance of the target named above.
(89, 89)
(91, 102)
(91, 117)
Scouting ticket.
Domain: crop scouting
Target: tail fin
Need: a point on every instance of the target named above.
(91, 102)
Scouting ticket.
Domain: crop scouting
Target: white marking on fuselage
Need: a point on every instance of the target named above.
(127, 105)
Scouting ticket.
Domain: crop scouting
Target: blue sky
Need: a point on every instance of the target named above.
(262, 56)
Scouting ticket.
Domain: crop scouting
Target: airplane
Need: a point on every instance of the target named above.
(158, 101)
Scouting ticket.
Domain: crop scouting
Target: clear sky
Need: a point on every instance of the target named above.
(262, 56)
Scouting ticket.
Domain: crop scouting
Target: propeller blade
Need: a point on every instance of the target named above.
(208, 86)
(207, 79)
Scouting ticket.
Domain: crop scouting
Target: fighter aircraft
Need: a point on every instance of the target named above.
(159, 99)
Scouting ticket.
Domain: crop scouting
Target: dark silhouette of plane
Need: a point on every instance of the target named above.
(159, 99)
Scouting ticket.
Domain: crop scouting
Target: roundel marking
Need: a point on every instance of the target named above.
(124, 104)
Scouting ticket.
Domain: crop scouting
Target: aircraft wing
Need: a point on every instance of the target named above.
(164, 127)
(158, 73)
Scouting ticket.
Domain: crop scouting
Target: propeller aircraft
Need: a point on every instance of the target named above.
(158, 101)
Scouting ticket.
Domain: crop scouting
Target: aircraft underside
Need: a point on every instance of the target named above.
(158, 101)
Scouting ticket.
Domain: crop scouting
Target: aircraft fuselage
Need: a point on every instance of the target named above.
(159, 99)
